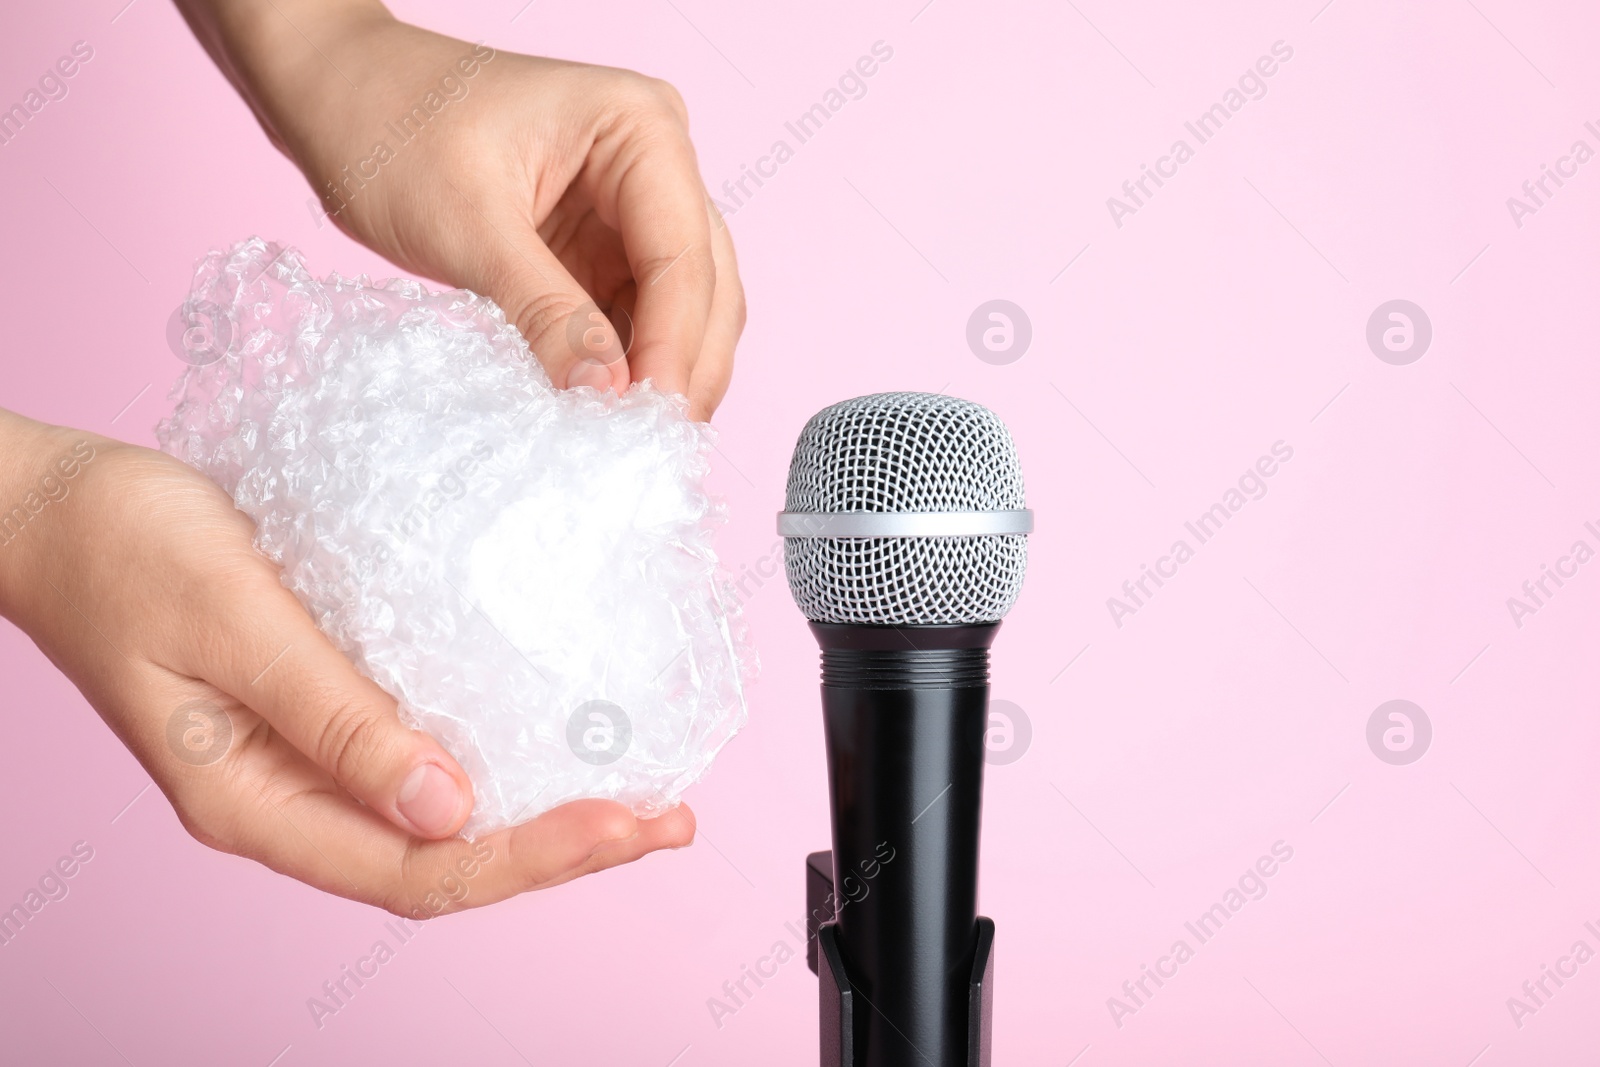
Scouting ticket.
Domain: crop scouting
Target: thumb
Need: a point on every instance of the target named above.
(283, 668)
(570, 336)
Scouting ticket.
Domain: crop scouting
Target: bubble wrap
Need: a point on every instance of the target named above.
(528, 571)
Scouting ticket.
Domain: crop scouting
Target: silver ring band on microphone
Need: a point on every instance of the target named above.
(904, 523)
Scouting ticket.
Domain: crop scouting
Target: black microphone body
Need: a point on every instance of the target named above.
(905, 543)
(905, 709)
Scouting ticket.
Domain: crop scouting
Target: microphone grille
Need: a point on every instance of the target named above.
(905, 452)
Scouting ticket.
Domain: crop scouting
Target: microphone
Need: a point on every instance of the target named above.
(905, 544)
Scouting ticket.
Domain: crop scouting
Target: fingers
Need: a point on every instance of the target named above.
(672, 829)
(660, 210)
(570, 336)
(279, 811)
(641, 186)
(708, 381)
(281, 666)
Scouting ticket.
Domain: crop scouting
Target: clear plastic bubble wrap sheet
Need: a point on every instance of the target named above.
(527, 570)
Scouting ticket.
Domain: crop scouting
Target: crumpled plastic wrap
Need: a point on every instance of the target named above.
(527, 570)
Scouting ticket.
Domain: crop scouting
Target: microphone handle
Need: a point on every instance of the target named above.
(904, 712)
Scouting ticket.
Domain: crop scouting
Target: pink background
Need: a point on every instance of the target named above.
(1228, 714)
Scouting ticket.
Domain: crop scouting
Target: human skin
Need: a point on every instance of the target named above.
(555, 188)
(137, 577)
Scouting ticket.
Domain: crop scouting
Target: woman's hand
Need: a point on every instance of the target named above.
(137, 577)
(565, 192)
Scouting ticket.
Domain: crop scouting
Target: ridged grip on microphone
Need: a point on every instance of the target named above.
(905, 452)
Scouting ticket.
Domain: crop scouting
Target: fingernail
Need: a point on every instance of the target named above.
(430, 800)
(594, 375)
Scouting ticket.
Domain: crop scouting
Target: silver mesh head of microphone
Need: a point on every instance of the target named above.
(900, 453)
